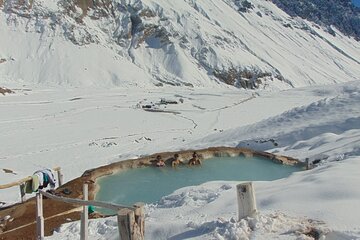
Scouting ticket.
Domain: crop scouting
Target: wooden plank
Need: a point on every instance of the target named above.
(56, 169)
(308, 164)
(16, 183)
(22, 192)
(246, 200)
(126, 219)
(140, 221)
(84, 231)
(80, 202)
(60, 177)
(39, 218)
(13, 184)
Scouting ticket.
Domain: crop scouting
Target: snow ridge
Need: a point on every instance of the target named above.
(311, 128)
(182, 43)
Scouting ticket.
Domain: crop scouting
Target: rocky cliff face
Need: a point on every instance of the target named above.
(341, 14)
(247, 44)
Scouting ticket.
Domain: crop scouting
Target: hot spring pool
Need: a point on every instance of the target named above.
(149, 184)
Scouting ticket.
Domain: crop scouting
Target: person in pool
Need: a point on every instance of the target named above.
(159, 161)
(195, 160)
(176, 161)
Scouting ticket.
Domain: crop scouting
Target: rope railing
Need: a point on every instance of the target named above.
(81, 202)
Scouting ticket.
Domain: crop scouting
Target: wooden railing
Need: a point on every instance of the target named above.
(131, 219)
(22, 182)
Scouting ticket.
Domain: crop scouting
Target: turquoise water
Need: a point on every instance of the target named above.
(149, 184)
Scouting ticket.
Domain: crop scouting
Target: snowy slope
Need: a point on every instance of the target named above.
(325, 123)
(309, 131)
(117, 52)
(187, 42)
(79, 129)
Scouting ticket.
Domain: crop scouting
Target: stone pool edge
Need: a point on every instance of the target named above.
(91, 176)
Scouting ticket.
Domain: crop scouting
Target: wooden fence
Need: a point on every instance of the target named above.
(131, 219)
(21, 183)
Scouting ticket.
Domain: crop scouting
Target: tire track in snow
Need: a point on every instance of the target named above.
(233, 105)
(217, 109)
(192, 120)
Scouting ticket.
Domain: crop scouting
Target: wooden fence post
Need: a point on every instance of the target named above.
(60, 177)
(126, 221)
(140, 221)
(308, 164)
(246, 200)
(85, 216)
(39, 217)
(22, 192)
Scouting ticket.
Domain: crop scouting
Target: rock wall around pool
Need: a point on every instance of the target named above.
(184, 156)
(90, 176)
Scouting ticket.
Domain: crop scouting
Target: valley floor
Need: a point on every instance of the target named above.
(79, 129)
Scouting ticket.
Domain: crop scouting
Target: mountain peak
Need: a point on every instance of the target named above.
(246, 44)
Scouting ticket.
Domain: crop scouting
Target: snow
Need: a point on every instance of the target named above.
(78, 106)
(179, 43)
(308, 131)
(208, 211)
(52, 127)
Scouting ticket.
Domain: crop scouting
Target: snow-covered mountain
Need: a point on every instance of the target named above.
(158, 42)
